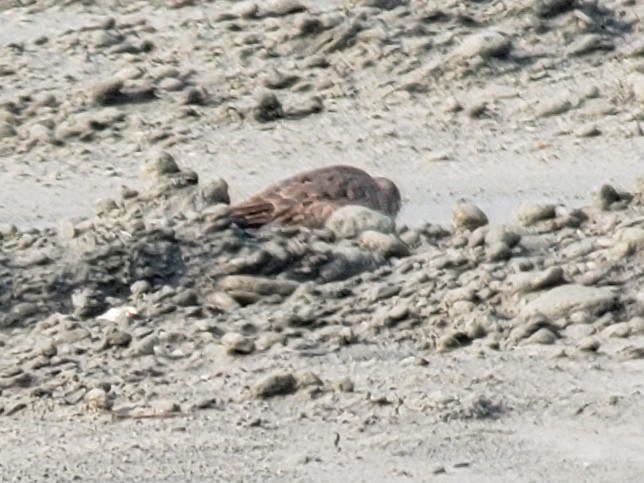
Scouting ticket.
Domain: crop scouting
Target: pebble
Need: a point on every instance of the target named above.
(276, 384)
(486, 45)
(566, 299)
(96, 400)
(528, 213)
(468, 216)
(350, 221)
(236, 343)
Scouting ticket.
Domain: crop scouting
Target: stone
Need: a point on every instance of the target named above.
(276, 384)
(350, 221)
(384, 244)
(468, 216)
(96, 400)
(485, 44)
(236, 343)
(566, 299)
(529, 213)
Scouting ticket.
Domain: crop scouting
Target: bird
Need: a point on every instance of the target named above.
(309, 198)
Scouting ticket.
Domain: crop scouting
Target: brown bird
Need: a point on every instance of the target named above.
(309, 198)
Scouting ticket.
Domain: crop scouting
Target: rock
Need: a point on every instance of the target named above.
(19, 314)
(346, 262)
(258, 285)
(497, 252)
(116, 338)
(468, 216)
(143, 347)
(551, 8)
(216, 192)
(96, 400)
(88, 302)
(553, 107)
(350, 221)
(543, 336)
(280, 8)
(502, 234)
(268, 108)
(532, 281)
(344, 385)
(161, 164)
(529, 213)
(195, 96)
(566, 299)
(112, 92)
(452, 341)
(619, 330)
(277, 384)
(383, 244)
(140, 287)
(486, 45)
(236, 343)
(589, 344)
(608, 198)
(589, 43)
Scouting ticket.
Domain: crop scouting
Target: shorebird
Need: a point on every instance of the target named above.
(309, 198)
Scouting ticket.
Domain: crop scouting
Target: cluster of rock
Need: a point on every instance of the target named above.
(287, 59)
(163, 277)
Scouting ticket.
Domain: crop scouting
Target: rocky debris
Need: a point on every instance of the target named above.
(158, 282)
(160, 278)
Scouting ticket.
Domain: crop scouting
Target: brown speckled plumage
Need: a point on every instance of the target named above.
(309, 198)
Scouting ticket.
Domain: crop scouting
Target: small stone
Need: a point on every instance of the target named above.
(87, 302)
(532, 281)
(529, 213)
(566, 299)
(140, 287)
(186, 298)
(165, 406)
(268, 108)
(236, 343)
(277, 384)
(452, 341)
(553, 107)
(589, 344)
(468, 216)
(66, 230)
(543, 336)
(497, 252)
(621, 329)
(116, 338)
(258, 285)
(350, 221)
(171, 84)
(384, 244)
(160, 165)
(345, 385)
(486, 45)
(502, 234)
(143, 347)
(588, 131)
(216, 192)
(196, 96)
(96, 399)
(608, 198)
(552, 8)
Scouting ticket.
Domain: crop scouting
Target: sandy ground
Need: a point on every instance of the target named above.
(491, 102)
